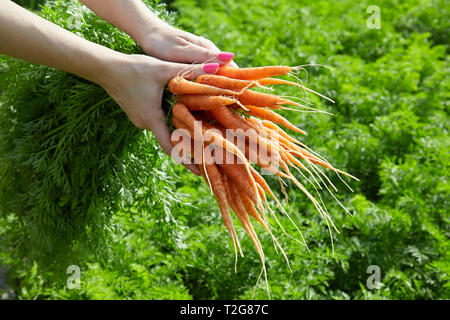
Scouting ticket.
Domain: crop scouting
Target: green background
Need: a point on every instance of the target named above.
(389, 128)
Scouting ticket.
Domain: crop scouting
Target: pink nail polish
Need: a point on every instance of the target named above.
(225, 56)
(211, 67)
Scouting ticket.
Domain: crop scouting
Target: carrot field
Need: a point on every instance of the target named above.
(82, 189)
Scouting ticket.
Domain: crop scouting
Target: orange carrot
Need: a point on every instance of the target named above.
(182, 112)
(180, 86)
(260, 99)
(239, 176)
(272, 126)
(272, 116)
(187, 121)
(239, 210)
(225, 82)
(187, 144)
(231, 120)
(253, 73)
(250, 208)
(238, 84)
(179, 124)
(241, 213)
(260, 181)
(217, 186)
(205, 102)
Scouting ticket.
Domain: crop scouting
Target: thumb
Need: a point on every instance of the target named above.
(192, 71)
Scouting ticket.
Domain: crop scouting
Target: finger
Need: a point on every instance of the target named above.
(191, 71)
(198, 54)
(222, 57)
(204, 50)
(159, 128)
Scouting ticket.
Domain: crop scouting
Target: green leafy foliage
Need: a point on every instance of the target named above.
(70, 157)
(390, 129)
(30, 4)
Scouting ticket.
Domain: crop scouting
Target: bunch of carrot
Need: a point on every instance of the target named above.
(224, 102)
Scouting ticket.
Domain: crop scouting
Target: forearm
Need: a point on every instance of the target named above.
(131, 16)
(27, 36)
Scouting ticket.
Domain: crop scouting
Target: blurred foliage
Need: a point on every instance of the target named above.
(30, 4)
(390, 129)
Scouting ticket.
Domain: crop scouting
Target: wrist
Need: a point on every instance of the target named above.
(121, 71)
(148, 28)
(144, 23)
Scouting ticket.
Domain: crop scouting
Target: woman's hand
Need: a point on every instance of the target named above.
(157, 38)
(136, 83)
(171, 44)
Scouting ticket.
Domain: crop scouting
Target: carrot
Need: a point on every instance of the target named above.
(239, 210)
(260, 99)
(186, 121)
(275, 136)
(229, 119)
(269, 133)
(250, 208)
(239, 176)
(187, 144)
(229, 195)
(244, 147)
(253, 73)
(212, 100)
(225, 82)
(251, 154)
(179, 124)
(272, 116)
(245, 221)
(260, 181)
(238, 84)
(302, 153)
(265, 131)
(258, 149)
(205, 102)
(180, 86)
(182, 112)
(264, 186)
(272, 126)
(215, 177)
(223, 155)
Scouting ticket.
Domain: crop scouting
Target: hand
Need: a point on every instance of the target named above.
(157, 38)
(136, 83)
(171, 44)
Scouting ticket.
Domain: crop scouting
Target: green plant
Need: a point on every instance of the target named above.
(70, 158)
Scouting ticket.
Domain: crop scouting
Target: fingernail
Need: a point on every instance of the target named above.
(195, 173)
(225, 56)
(211, 67)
